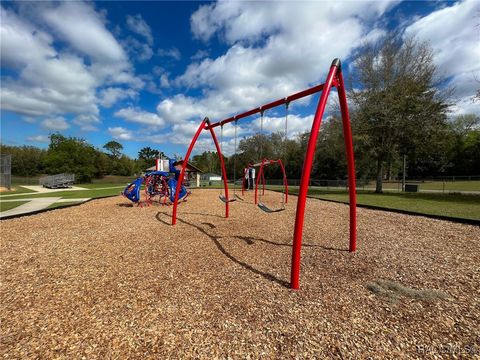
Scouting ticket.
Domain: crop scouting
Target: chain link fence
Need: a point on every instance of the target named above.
(446, 184)
(6, 171)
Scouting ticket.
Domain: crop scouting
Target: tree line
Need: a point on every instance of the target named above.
(454, 151)
(77, 156)
(396, 110)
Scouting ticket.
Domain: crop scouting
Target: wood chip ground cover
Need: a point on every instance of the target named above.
(106, 280)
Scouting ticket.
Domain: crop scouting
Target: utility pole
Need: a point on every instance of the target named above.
(404, 170)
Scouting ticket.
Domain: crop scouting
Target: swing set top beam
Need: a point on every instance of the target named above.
(263, 162)
(271, 105)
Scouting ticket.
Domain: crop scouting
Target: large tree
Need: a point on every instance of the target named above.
(148, 154)
(114, 147)
(26, 160)
(72, 155)
(465, 155)
(397, 105)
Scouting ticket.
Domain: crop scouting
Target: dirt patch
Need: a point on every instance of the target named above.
(394, 291)
(107, 281)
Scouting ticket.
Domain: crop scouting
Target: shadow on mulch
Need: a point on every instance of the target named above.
(219, 246)
(250, 240)
(125, 205)
(247, 239)
(203, 214)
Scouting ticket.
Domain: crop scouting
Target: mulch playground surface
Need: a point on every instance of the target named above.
(106, 280)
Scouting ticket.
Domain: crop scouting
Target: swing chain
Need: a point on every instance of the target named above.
(261, 134)
(285, 149)
(235, 159)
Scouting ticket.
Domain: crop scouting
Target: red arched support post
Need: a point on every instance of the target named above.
(202, 127)
(222, 165)
(259, 176)
(347, 134)
(332, 79)
(243, 180)
(285, 180)
(184, 166)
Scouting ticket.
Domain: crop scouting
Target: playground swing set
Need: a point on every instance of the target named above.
(334, 79)
(261, 173)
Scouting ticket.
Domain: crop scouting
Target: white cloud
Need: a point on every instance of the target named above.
(120, 133)
(164, 81)
(199, 55)
(139, 116)
(139, 51)
(163, 76)
(38, 139)
(50, 82)
(138, 25)
(464, 106)
(251, 21)
(453, 34)
(29, 119)
(87, 122)
(55, 124)
(296, 124)
(275, 51)
(173, 53)
(20, 42)
(111, 95)
(180, 108)
(84, 29)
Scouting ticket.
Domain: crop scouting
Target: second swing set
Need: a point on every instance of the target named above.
(261, 172)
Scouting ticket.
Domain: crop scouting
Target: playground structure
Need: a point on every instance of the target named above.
(334, 79)
(158, 184)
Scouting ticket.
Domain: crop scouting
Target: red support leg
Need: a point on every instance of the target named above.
(263, 182)
(285, 181)
(307, 169)
(184, 166)
(259, 176)
(224, 171)
(243, 181)
(347, 134)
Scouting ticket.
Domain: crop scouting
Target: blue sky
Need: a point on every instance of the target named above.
(146, 73)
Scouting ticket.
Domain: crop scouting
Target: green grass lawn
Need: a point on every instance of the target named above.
(473, 185)
(114, 179)
(102, 185)
(4, 206)
(91, 193)
(453, 205)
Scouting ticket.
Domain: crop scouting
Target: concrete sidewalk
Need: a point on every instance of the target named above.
(35, 204)
(41, 189)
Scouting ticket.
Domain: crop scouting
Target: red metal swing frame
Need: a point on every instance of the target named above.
(261, 175)
(334, 79)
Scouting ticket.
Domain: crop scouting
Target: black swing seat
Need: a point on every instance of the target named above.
(268, 210)
(224, 199)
